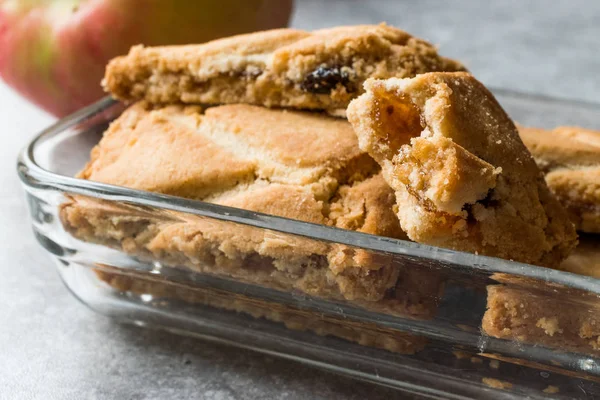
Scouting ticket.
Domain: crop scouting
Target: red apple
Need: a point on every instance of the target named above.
(54, 51)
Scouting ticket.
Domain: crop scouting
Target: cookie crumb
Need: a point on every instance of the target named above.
(551, 389)
(549, 325)
(496, 383)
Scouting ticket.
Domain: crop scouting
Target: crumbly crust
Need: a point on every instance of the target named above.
(366, 334)
(551, 315)
(570, 157)
(323, 69)
(555, 319)
(462, 176)
(291, 164)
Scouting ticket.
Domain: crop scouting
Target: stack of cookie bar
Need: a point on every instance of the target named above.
(364, 128)
(570, 160)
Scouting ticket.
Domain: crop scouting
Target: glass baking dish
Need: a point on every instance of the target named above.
(420, 331)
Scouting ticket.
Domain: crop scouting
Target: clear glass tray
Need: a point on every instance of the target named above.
(419, 332)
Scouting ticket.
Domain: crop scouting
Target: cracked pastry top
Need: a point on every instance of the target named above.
(292, 164)
(323, 69)
(463, 177)
(570, 158)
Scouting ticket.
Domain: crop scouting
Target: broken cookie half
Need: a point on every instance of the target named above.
(463, 178)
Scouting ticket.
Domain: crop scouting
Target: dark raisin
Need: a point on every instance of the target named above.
(324, 79)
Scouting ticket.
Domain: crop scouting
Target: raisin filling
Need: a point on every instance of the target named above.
(325, 79)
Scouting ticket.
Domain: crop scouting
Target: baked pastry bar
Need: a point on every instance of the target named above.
(570, 158)
(363, 333)
(323, 69)
(547, 314)
(462, 176)
(291, 164)
(557, 320)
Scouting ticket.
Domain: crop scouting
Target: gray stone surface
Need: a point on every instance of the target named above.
(52, 347)
(535, 46)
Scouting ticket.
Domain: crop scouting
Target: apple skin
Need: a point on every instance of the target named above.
(53, 52)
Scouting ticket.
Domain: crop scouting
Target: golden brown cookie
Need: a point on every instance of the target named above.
(558, 319)
(292, 164)
(363, 333)
(462, 176)
(548, 314)
(570, 157)
(323, 69)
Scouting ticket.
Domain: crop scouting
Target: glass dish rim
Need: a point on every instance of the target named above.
(35, 176)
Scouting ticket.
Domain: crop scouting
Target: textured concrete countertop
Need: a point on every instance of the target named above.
(52, 347)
